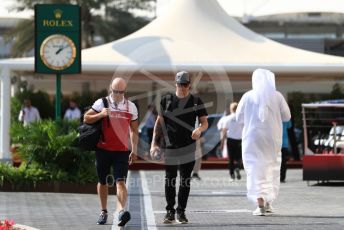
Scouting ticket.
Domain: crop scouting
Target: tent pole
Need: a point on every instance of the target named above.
(5, 117)
(58, 97)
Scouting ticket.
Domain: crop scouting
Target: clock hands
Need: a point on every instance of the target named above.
(60, 49)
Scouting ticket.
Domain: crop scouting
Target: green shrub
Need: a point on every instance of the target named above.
(49, 146)
(22, 177)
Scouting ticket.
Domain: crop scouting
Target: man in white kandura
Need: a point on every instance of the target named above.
(261, 111)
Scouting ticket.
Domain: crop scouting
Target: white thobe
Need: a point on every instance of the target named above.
(261, 145)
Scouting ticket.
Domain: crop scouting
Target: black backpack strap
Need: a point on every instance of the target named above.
(195, 100)
(105, 102)
(169, 101)
(106, 105)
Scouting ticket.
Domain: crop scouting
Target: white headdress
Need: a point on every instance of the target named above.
(263, 84)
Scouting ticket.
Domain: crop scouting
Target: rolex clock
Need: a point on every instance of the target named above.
(57, 39)
(58, 52)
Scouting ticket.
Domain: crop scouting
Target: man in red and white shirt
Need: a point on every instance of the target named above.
(119, 121)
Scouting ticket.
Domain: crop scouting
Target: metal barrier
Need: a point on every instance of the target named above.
(323, 127)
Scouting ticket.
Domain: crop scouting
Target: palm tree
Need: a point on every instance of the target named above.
(22, 38)
(116, 22)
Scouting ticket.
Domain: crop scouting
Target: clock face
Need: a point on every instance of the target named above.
(58, 52)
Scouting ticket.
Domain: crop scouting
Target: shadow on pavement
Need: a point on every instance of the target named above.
(330, 184)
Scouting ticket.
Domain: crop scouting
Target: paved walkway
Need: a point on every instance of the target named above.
(214, 203)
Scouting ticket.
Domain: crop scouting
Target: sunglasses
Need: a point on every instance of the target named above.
(117, 91)
(183, 85)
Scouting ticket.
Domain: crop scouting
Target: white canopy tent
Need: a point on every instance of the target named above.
(257, 8)
(194, 35)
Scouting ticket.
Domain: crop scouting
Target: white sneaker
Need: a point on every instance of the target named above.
(260, 211)
(268, 208)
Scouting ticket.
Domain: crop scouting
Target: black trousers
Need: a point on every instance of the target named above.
(285, 155)
(171, 170)
(234, 154)
(150, 134)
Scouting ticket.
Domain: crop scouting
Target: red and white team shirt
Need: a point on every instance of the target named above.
(116, 132)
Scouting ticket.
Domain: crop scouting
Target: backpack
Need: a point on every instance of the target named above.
(89, 134)
(170, 104)
(170, 101)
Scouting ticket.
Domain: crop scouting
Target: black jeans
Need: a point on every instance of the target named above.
(150, 134)
(285, 155)
(234, 154)
(185, 170)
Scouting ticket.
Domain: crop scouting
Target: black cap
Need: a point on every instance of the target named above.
(182, 77)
